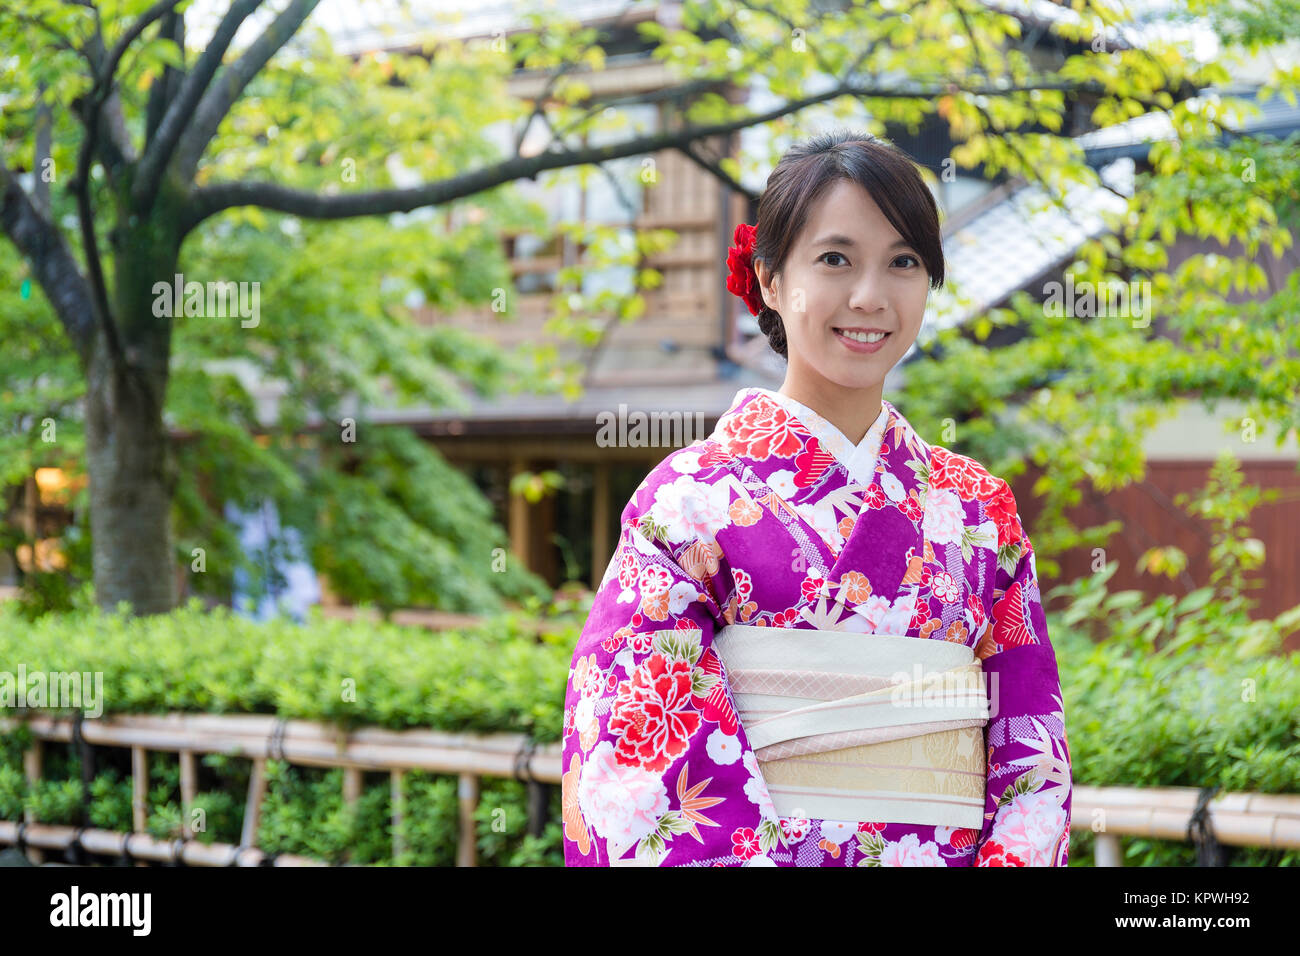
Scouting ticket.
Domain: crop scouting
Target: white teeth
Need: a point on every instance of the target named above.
(863, 336)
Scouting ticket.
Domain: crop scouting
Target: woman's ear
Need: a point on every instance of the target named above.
(766, 284)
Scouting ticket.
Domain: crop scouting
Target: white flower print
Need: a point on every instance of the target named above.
(944, 517)
(838, 831)
(899, 616)
(689, 510)
(823, 519)
(756, 787)
(681, 595)
(621, 803)
(891, 486)
(723, 749)
(910, 851)
(686, 463)
(782, 482)
(873, 609)
(1029, 826)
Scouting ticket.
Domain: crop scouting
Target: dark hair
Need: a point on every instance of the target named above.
(808, 169)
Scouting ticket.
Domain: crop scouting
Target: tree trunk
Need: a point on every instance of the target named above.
(127, 449)
(130, 494)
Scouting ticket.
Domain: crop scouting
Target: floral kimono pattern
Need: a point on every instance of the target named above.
(777, 520)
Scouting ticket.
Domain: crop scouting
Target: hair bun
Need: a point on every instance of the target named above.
(770, 324)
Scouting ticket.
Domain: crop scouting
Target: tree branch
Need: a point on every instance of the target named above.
(52, 261)
(158, 10)
(693, 153)
(44, 144)
(182, 109)
(208, 200)
(217, 101)
(93, 116)
(163, 91)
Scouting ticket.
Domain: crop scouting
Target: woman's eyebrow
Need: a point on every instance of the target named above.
(846, 241)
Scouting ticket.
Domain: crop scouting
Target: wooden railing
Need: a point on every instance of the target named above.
(1235, 819)
(260, 738)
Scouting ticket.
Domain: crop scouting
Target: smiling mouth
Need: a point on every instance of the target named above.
(867, 338)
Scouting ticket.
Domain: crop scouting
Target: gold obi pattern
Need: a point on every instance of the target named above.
(861, 727)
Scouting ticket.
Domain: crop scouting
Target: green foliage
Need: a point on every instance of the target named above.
(499, 677)
(192, 659)
(1188, 692)
(338, 332)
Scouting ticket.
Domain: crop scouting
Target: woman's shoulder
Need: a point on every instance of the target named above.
(972, 482)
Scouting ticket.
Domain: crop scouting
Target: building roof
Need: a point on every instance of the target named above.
(1015, 235)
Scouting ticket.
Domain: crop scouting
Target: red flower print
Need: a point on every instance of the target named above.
(964, 475)
(993, 853)
(762, 429)
(1001, 509)
(652, 715)
(744, 843)
(920, 614)
(875, 498)
(627, 569)
(910, 507)
(794, 829)
(811, 587)
(871, 827)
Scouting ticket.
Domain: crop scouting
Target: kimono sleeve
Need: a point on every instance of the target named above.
(657, 770)
(1028, 787)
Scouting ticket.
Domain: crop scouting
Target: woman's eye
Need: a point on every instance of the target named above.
(835, 254)
(913, 258)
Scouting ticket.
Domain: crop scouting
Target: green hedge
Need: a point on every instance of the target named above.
(490, 679)
(1176, 693)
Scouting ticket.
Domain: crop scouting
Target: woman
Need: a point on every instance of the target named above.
(820, 641)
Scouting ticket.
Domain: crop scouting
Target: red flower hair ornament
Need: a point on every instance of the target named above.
(742, 280)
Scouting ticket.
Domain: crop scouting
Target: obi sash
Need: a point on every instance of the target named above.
(861, 727)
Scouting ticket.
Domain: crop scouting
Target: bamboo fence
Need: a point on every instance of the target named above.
(1235, 819)
(259, 738)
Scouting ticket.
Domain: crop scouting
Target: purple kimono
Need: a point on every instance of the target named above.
(777, 520)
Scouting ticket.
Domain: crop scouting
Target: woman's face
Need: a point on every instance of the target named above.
(848, 269)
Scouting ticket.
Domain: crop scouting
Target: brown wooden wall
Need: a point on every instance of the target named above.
(1151, 519)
